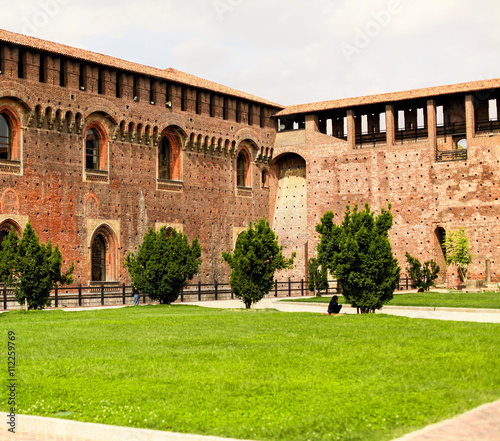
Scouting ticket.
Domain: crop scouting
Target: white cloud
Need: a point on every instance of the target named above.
(285, 50)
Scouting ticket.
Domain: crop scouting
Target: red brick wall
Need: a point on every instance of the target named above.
(56, 193)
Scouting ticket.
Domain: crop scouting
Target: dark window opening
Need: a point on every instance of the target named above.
(198, 102)
(99, 259)
(183, 99)
(2, 56)
(164, 159)
(43, 69)
(238, 111)
(212, 106)
(152, 92)
(5, 139)
(21, 63)
(168, 95)
(63, 69)
(92, 150)
(135, 90)
(100, 81)
(82, 80)
(225, 109)
(119, 83)
(241, 173)
(3, 235)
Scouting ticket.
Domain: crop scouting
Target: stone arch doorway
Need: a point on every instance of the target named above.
(5, 228)
(289, 219)
(103, 255)
(440, 254)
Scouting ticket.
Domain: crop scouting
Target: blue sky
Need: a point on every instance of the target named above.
(288, 51)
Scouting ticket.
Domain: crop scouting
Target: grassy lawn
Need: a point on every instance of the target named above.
(454, 299)
(257, 374)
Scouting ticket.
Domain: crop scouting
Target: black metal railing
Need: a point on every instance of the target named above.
(364, 140)
(415, 135)
(113, 294)
(451, 129)
(487, 126)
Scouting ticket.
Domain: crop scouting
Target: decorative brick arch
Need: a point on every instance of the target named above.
(109, 111)
(277, 153)
(176, 121)
(17, 92)
(8, 224)
(248, 135)
(9, 204)
(91, 206)
(103, 255)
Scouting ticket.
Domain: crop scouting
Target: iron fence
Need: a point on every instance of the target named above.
(110, 294)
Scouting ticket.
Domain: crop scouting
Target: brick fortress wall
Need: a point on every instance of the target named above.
(49, 185)
(433, 184)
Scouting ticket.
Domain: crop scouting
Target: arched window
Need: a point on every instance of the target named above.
(164, 171)
(242, 170)
(169, 154)
(103, 255)
(99, 259)
(92, 150)
(6, 227)
(265, 179)
(5, 138)
(3, 234)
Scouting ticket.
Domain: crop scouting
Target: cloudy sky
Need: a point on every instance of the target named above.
(288, 51)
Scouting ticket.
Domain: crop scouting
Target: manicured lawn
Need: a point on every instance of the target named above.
(455, 299)
(257, 374)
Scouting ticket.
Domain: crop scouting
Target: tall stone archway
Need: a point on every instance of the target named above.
(440, 255)
(6, 226)
(103, 255)
(290, 209)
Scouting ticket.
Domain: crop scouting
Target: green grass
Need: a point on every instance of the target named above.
(257, 374)
(454, 299)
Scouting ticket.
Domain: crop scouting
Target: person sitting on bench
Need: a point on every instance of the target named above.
(334, 307)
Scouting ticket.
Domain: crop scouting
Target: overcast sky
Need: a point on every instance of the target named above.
(287, 51)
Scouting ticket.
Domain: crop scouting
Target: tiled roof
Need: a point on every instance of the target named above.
(391, 97)
(116, 63)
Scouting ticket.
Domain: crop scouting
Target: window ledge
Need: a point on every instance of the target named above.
(168, 185)
(97, 176)
(10, 166)
(244, 191)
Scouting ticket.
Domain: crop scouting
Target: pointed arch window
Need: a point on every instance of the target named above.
(92, 145)
(99, 259)
(103, 255)
(169, 170)
(242, 170)
(164, 170)
(5, 138)
(6, 227)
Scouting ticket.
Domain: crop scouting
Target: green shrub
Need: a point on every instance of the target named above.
(359, 254)
(254, 261)
(164, 264)
(31, 268)
(422, 275)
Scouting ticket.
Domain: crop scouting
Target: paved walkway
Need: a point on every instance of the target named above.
(481, 424)
(454, 314)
